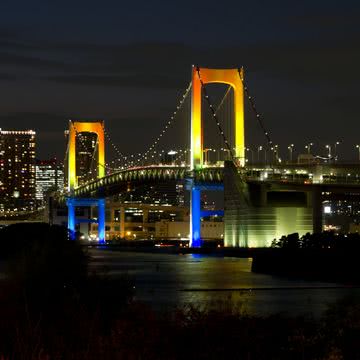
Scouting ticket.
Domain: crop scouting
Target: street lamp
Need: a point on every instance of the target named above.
(329, 149)
(308, 147)
(335, 153)
(172, 154)
(227, 153)
(252, 154)
(291, 148)
(214, 151)
(275, 150)
(206, 156)
(358, 147)
(259, 148)
(186, 151)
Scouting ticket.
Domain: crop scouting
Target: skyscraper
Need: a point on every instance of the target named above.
(17, 169)
(49, 177)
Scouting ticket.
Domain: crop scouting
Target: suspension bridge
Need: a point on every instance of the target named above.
(211, 156)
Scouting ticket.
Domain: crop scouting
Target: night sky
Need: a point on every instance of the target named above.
(128, 63)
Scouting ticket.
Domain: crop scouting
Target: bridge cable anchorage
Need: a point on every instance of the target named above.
(143, 156)
(258, 116)
(211, 107)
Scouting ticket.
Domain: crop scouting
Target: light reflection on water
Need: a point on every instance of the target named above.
(166, 281)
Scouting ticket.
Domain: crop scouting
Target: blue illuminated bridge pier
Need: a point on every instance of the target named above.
(262, 200)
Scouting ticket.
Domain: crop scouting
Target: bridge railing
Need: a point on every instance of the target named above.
(214, 172)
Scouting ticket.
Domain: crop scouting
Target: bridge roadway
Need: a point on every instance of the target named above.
(336, 178)
(109, 184)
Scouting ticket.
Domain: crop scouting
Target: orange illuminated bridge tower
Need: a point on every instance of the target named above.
(200, 77)
(75, 128)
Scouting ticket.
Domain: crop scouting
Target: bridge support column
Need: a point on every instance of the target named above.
(195, 217)
(263, 195)
(72, 203)
(71, 220)
(317, 210)
(196, 213)
(122, 222)
(101, 220)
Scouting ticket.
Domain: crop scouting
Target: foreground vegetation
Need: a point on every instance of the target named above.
(326, 240)
(326, 256)
(50, 308)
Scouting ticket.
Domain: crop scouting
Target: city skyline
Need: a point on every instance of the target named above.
(130, 69)
(262, 152)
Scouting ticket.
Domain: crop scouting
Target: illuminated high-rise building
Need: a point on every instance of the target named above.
(49, 177)
(17, 169)
(180, 193)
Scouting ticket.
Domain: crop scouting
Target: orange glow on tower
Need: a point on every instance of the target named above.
(76, 127)
(233, 78)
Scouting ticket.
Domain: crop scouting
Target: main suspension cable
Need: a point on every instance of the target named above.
(144, 155)
(257, 114)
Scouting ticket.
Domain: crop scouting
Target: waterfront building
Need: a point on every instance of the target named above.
(135, 220)
(17, 170)
(49, 177)
(210, 230)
